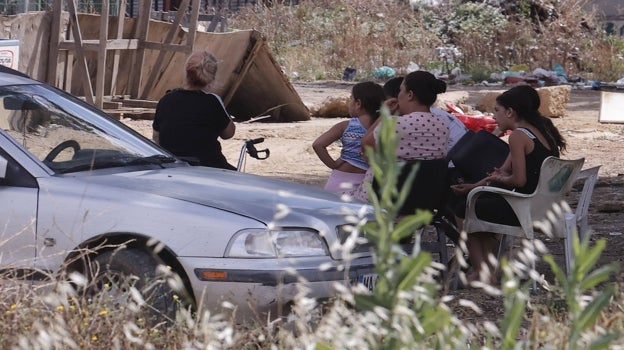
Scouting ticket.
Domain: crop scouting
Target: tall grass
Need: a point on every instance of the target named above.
(319, 39)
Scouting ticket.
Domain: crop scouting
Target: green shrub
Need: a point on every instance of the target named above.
(327, 36)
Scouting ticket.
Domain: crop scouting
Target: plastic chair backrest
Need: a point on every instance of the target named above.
(589, 177)
(556, 179)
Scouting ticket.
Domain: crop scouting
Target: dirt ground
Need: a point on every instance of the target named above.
(292, 158)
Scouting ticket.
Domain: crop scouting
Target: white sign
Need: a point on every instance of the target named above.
(611, 107)
(7, 58)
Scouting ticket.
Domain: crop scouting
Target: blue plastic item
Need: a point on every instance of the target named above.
(384, 72)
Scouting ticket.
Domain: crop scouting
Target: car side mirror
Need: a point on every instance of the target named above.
(3, 167)
(19, 103)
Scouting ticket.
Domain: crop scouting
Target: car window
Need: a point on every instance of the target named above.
(66, 134)
(15, 175)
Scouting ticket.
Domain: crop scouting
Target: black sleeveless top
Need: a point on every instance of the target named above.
(189, 123)
(534, 162)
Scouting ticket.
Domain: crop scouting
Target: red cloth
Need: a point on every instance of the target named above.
(473, 122)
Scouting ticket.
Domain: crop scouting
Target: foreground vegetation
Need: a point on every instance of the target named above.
(318, 39)
(407, 310)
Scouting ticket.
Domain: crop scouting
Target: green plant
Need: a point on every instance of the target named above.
(583, 278)
(479, 72)
(385, 232)
(405, 282)
(477, 18)
(516, 297)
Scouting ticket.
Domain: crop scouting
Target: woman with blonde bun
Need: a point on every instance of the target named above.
(190, 120)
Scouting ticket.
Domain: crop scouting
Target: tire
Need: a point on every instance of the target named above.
(113, 273)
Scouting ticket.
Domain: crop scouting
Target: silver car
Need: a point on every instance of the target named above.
(79, 188)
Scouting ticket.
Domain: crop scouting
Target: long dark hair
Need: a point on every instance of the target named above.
(425, 86)
(525, 101)
(370, 95)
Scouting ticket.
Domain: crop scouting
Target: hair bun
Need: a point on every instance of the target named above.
(440, 86)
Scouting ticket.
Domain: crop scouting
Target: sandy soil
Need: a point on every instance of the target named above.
(292, 157)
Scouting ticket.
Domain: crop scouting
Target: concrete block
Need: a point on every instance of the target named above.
(454, 97)
(554, 100)
(486, 103)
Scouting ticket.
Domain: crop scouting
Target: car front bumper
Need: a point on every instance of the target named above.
(261, 288)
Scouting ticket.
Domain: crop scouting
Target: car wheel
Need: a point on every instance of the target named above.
(112, 274)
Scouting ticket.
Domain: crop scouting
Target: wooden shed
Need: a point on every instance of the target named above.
(249, 79)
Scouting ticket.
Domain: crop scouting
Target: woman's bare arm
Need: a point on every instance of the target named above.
(156, 137)
(229, 131)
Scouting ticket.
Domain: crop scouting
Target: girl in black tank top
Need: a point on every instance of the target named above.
(516, 110)
(534, 160)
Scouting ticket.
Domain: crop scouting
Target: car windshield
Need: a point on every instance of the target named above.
(69, 135)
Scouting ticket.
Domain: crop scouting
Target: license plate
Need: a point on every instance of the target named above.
(367, 280)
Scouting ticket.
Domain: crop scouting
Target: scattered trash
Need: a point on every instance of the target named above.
(519, 68)
(516, 74)
(384, 72)
(456, 72)
(412, 67)
(349, 74)
(615, 233)
(448, 55)
(595, 85)
(558, 69)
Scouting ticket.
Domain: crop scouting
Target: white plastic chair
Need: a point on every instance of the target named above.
(578, 220)
(543, 210)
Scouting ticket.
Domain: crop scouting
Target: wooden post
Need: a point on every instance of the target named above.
(118, 35)
(53, 51)
(101, 60)
(156, 70)
(190, 40)
(141, 28)
(81, 59)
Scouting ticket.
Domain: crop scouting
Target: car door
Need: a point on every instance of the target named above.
(19, 193)
(18, 213)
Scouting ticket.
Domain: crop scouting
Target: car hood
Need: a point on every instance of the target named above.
(253, 196)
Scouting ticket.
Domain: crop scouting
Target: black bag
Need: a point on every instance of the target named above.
(476, 154)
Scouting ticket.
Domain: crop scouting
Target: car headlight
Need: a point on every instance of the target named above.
(273, 244)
